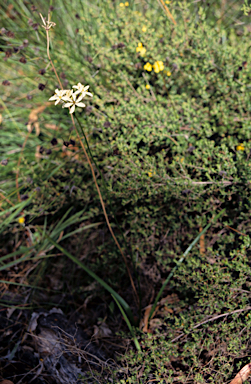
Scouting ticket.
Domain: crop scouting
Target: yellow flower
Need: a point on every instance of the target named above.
(143, 52)
(141, 49)
(126, 4)
(148, 86)
(168, 2)
(150, 174)
(240, 147)
(158, 66)
(168, 73)
(148, 67)
(121, 4)
(21, 220)
(144, 28)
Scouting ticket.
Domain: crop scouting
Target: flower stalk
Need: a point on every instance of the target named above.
(70, 100)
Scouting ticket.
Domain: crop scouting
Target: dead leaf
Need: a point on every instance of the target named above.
(202, 243)
(1, 118)
(101, 330)
(33, 118)
(144, 323)
(170, 299)
(51, 126)
(6, 382)
(242, 375)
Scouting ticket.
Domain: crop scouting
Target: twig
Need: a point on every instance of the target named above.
(167, 11)
(212, 319)
(243, 234)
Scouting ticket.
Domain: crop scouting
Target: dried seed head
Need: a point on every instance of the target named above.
(66, 143)
(72, 142)
(8, 53)
(41, 86)
(10, 34)
(29, 97)
(25, 43)
(41, 150)
(24, 197)
(107, 124)
(4, 162)
(6, 82)
(33, 8)
(23, 60)
(77, 16)
(35, 26)
(54, 141)
(41, 71)
(48, 152)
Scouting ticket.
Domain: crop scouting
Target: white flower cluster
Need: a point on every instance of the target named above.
(71, 99)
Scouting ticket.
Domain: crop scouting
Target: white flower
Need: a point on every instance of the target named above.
(82, 89)
(72, 102)
(59, 96)
(69, 93)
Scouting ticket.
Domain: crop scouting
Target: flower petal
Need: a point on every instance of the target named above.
(82, 105)
(65, 98)
(72, 109)
(54, 97)
(88, 94)
(80, 98)
(67, 105)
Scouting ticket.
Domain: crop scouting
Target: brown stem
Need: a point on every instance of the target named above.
(104, 210)
(48, 54)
